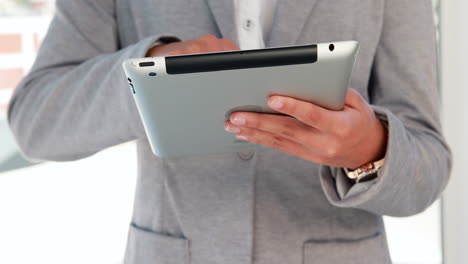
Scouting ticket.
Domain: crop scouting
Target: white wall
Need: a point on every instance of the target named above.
(454, 70)
(73, 212)
(416, 239)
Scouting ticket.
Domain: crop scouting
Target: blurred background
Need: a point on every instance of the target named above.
(57, 212)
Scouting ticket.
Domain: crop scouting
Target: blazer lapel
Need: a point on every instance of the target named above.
(291, 15)
(223, 13)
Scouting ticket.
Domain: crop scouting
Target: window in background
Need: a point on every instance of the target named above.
(59, 213)
(23, 24)
(55, 212)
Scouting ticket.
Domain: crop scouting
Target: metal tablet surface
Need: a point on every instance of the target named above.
(185, 100)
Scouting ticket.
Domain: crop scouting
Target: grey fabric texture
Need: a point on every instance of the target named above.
(266, 208)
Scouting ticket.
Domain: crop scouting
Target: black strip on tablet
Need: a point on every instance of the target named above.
(241, 59)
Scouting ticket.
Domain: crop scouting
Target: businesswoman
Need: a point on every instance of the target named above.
(302, 200)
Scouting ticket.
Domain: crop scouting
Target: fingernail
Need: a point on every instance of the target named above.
(276, 103)
(238, 120)
(241, 137)
(232, 129)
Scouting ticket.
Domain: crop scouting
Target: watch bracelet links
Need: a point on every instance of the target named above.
(362, 173)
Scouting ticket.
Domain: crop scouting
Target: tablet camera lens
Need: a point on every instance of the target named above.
(331, 47)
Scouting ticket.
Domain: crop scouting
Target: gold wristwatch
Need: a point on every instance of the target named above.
(366, 172)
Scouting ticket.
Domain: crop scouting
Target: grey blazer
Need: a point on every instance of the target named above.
(237, 208)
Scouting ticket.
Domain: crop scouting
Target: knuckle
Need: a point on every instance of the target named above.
(288, 131)
(225, 40)
(344, 131)
(228, 42)
(288, 106)
(253, 133)
(312, 116)
(331, 151)
(208, 38)
(200, 46)
(276, 142)
(174, 53)
(254, 121)
(248, 132)
(194, 48)
(205, 42)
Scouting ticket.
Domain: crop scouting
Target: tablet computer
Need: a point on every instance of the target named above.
(184, 101)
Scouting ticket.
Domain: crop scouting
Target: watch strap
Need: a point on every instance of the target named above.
(366, 172)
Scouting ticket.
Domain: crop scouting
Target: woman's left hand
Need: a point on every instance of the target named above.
(348, 138)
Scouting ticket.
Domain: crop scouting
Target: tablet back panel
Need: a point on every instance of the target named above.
(184, 101)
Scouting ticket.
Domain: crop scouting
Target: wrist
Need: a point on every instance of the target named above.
(375, 144)
(381, 135)
(368, 169)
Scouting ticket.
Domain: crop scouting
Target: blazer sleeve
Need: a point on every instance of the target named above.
(403, 92)
(75, 101)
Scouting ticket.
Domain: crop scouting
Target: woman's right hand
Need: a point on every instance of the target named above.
(204, 44)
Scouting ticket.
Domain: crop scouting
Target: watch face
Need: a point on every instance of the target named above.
(366, 168)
